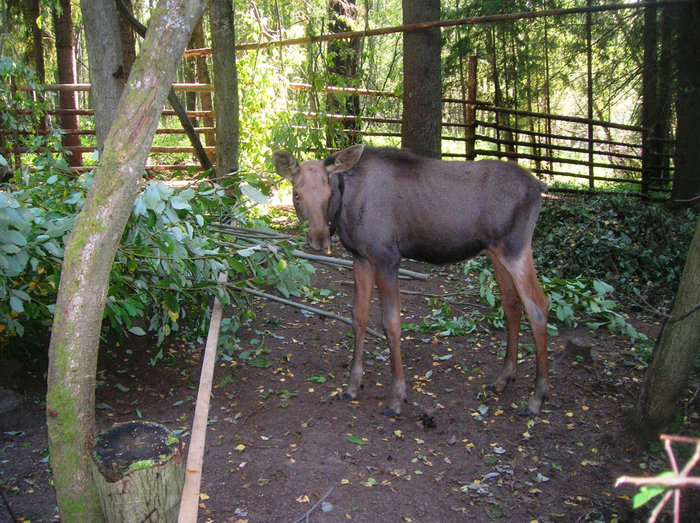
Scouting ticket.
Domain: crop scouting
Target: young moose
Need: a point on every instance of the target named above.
(388, 204)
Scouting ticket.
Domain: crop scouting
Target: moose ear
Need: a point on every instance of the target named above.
(346, 159)
(285, 164)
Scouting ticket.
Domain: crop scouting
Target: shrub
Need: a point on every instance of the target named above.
(165, 270)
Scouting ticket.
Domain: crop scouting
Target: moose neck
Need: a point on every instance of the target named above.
(336, 203)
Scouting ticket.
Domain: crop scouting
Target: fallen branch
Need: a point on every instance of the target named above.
(315, 310)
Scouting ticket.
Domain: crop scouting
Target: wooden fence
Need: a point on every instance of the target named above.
(554, 147)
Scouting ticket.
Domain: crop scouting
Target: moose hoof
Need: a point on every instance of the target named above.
(534, 407)
(346, 396)
(390, 413)
(527, 413)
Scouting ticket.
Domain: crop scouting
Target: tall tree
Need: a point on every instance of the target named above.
(686, 179)
(65, 65)
(343, 61)
(106, 63)
(675, 352)
(422, 80)
(223, 47)
(650, 99)
(89, 254)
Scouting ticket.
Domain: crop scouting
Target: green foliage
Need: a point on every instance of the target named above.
(164, 274)
(23, 113)
(640, 247)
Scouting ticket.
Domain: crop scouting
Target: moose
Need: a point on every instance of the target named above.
(389, 204)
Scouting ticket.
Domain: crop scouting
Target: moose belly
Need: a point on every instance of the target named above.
(439, 251)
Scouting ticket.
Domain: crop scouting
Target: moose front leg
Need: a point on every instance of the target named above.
(364, 285)
(388, 285)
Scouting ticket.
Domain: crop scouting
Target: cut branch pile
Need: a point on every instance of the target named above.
(267, 240)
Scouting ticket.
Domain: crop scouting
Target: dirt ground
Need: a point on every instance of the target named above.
(280, 440)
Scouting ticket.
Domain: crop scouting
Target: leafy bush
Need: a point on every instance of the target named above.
(572, 301)
(165, 270)
(638, 247)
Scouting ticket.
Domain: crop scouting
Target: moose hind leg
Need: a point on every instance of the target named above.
(364, 285)
(513, 311)
(388, 285)
(536, 304)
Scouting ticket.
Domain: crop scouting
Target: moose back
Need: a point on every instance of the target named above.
(389, 204)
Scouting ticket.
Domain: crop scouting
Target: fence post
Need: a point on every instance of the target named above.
(470, 114)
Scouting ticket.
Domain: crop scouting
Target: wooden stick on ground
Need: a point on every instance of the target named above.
(189, 503)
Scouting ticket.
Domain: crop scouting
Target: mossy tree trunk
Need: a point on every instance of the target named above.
(675, 352)
(89, 254)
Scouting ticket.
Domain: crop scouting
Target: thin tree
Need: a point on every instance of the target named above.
(128, 39)
(421, 128)
(223, 44)
(65, 71)
(342, 63)
(650, 98)
(89, 254)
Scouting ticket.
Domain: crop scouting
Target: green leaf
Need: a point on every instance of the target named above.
(138, 331)
(357, 441)
(13, 237)
(648, 492)
(254, 194)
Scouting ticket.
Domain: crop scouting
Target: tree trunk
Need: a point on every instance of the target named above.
(139, 470)
(128, 39)
(686, 180)
(223, 44)
(202, 75)
(32, 11)
(89, 254)
(675, 352)
(650, 99)
(105, 61)
(422, 83)
(343, 57)
(65, 65)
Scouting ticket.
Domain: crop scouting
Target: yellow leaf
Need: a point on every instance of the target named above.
(303, 498)
(344, 481)
(240, 448)
(203, 496)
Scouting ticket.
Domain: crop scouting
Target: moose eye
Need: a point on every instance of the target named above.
(296, 196)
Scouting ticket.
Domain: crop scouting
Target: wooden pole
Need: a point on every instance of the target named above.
(189, 504)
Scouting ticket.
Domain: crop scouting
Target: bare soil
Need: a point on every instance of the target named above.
(280, 440)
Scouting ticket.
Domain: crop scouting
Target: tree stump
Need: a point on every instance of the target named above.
(139, 470)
